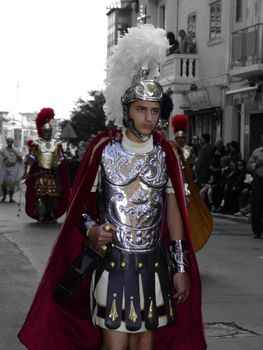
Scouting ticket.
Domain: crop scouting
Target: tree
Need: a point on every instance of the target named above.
(88, 117)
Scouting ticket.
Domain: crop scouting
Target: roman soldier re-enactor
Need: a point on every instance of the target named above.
(180, 125)
(200, 218)
(123, 274)
(47, 190)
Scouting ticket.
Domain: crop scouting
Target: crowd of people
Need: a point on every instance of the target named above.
(222, 177)
(185, 44)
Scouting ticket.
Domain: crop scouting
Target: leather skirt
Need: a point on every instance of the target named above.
(131, 292)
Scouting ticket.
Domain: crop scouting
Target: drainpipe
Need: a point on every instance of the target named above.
(177, 17)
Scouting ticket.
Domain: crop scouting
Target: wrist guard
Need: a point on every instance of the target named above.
(86, 223)
(178, 256)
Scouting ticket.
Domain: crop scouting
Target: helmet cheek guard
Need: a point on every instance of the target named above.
(147, 90)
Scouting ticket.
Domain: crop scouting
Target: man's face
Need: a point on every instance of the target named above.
(46, 133)
(180, 141)
(145, 115)
(9, 142)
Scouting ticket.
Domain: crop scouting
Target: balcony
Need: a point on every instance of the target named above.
(180, 69)
(247, 52)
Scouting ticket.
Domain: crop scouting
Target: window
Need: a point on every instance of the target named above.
(238, 10)
(191, 26)
(162, 17)
(111, 31)
(215, 20)
(191, 31)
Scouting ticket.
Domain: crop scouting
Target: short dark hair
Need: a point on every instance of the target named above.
(206, 137)
(170, 35)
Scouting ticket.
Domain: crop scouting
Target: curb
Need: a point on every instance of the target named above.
(242, 219)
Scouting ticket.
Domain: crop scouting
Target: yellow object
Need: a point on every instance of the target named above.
(112, 264)
(200, 218)
(107, 227)
(88, 231)
(113, 310)
(150, 311)
(132, 315)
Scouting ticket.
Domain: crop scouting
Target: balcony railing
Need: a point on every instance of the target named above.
(247, 47)
(180, 68)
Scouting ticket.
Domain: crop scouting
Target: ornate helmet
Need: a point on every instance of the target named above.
(43, 120)
(143, 89)
(180, 125)
(132, 72)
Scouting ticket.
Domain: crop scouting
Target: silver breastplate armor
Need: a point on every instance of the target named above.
(134, 188)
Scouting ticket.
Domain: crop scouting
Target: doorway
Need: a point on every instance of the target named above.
(255, 131)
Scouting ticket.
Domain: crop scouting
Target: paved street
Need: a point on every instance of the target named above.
(231, 269)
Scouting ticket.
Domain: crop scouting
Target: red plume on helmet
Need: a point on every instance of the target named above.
(43, 117)
(29, 143)
(180, 125)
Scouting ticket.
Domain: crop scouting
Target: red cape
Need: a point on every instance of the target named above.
(68, 327)
(30, 195)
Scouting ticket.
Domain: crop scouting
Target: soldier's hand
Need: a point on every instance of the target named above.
(182, 285)
(100, 235)
(24, 178)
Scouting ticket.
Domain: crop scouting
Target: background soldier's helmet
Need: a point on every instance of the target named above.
(43, 120)
(180, 125)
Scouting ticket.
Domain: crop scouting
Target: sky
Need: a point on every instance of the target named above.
(52, 53)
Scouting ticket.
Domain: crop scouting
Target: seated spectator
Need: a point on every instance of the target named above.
(211, 192)
(217, 153)
(230, 191)
(233, 150)
(245, 190)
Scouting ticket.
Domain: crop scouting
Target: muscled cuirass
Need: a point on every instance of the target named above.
(133, 186)
(47, 153)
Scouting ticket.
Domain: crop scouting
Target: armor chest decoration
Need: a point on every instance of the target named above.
(47, 153)
(134, 188)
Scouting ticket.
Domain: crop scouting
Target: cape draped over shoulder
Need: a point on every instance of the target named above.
(67, 326)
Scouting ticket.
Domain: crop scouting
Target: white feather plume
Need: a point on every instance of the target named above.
(143, 46)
